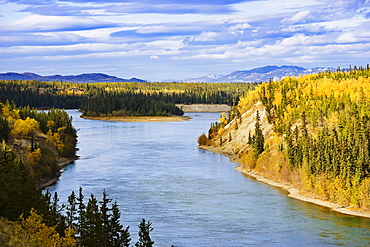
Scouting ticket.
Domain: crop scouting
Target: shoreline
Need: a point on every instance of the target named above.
(149, 119)
(61, 163)
(292, 192)
(204, 107)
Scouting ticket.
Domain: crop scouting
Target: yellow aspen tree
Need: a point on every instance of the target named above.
(41, 235)
(34, 157)
(23, 128)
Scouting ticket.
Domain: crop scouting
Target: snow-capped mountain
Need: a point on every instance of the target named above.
(261, 74)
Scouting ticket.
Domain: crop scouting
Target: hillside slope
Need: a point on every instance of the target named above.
(316, 138)
(42, 141)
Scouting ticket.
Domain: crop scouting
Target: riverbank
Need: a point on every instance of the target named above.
(204, 107)
(293, 192)
(61, 162)
(149, 119)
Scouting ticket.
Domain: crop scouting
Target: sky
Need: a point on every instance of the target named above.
(158, 40)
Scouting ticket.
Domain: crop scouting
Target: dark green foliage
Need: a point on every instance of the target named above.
(118, 236)
(4, 129)
(258, 140)
(37, 94)
(341, 152)
(97, 226)
(71, 211)
(120, 99)
(127, 104)
(18, 193)
(92, 230)
(144, 234)
(52, 214)
(330, 136)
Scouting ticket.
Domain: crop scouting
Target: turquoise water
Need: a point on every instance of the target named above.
(194, 197)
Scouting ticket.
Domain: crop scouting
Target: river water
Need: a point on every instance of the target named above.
(194, 197)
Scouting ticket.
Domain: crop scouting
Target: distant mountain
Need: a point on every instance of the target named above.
(262, 74)
(83, 78)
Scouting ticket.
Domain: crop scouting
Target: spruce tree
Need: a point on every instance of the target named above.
(258, 141)
(71, 211)
(118, 236)
(93, 231)
(105, 217)
(144, 231)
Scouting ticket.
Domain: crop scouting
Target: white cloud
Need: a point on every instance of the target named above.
(346, 38)
(300, 17)
(182, 37)
(38, 23)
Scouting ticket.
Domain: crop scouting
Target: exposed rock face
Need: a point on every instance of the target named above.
(239, 131)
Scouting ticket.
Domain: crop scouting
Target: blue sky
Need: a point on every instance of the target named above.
(172, 39)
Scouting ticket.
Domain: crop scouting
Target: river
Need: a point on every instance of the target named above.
(194, 197)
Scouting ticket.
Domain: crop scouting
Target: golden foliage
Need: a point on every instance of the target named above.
(326, 100)
(50, 124)
(203, 140)
(10, 114)
(221, 131)
(249, 159)
(23, 128)
(54, 139)
(364, 194)
(34, 157)
(33, 232)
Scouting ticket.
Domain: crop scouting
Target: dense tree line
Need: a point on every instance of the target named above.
(128, 99)
(38, 94)
(127, 104)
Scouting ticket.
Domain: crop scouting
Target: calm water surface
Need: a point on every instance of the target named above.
(194, 197)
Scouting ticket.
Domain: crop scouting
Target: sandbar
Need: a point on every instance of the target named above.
(154, 119)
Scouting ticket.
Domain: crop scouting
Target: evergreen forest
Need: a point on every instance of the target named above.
(120, 99)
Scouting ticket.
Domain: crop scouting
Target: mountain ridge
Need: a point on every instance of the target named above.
(260, 74)
(82, 78)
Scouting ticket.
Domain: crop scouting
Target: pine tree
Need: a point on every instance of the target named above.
(93, 231)
(118, 236)
(18, 193)
(71, 211)
(258, 141)
(81, 211)
(105, 217)
(144, 231)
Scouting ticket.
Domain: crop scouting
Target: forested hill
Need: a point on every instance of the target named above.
(41, 140)
(312, 132)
